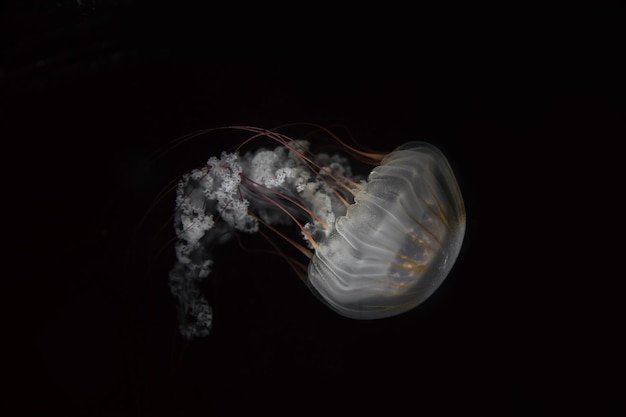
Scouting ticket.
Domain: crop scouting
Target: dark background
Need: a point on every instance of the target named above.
(527, 104)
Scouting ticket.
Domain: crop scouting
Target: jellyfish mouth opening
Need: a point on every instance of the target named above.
(295, 208)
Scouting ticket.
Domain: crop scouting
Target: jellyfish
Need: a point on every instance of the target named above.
(376, 247)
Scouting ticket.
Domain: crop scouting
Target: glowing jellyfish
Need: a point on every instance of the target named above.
(378, 247)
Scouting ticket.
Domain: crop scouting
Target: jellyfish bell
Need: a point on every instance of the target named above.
(398, 241)
(377, 246)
